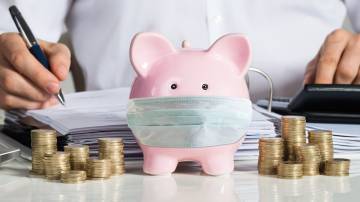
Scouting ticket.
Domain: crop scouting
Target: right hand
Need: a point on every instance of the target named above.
(24, 82)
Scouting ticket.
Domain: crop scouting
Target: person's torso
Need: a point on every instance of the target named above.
(284, 34)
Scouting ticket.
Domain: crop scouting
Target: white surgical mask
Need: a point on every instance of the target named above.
(189, 122)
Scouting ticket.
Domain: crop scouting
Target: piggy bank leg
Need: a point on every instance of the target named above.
(158, 163)
(218, 163)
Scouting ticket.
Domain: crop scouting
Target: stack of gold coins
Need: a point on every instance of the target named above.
(290, 170)
(337, 167)
(113, 149)
(293, 133)
(99, 168)
(271, 151)
(55, 164)
(79, 154)
(309, 155)
(73, 176)
(42, 141)
(322, 138)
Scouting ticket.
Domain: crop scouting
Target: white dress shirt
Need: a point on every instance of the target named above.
(285, 34)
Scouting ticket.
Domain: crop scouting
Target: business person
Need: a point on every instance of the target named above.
(294, 41)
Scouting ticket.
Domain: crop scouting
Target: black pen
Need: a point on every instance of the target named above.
(32, 44)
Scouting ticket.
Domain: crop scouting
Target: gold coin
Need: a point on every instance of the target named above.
(99, 168)
(322, 138)
(79, 155)
(55, 164)
(290, 170)
(113, 149)
(294, 134)
(73, 176)
(42, 142)
(271, 152)
(337, 167)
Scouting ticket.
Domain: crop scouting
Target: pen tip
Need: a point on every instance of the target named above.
(61, 98)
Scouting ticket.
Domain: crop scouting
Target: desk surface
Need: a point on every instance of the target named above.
(187, 184)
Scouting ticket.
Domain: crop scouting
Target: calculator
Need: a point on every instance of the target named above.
(329, 103)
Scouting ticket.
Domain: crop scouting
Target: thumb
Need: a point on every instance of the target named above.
(59, 58)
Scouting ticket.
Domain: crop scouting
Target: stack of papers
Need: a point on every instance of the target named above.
(261, 126)
(346, 137)
(94, 114)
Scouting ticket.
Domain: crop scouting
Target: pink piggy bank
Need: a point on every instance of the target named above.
(163, 70)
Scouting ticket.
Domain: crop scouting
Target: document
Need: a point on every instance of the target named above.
(94, 114)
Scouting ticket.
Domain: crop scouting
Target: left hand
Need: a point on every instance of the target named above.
(338, 60)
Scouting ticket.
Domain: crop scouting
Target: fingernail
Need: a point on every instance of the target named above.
(52, 87)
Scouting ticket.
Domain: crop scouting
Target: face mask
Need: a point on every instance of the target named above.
(189, 122)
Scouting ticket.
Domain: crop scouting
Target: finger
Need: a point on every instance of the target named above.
(349, 65)
(24, 63)
(8, 101)
(14, 83)
(311, 70)
(50, 102)
(330, 55)
(59, 58)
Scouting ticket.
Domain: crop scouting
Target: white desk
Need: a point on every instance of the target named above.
(187, 184)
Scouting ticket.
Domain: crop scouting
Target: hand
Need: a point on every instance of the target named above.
(338, 60)
(24, 82)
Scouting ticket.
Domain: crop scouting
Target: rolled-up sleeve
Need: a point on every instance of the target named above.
(353, 8)
(45, 17)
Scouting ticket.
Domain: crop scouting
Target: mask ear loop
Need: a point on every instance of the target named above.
(268, 78)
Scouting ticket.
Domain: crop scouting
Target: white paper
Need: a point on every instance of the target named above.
(94, 114)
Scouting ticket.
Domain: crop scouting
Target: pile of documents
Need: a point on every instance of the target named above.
(90, 115)
(261, 126)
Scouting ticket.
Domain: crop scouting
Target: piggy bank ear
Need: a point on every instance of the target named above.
(235, 48)
(146, 48)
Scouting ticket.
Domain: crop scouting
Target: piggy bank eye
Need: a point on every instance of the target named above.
(205, 86)
(173, 86)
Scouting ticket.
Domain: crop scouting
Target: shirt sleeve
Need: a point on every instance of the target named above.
(46, 18)
(353, 8)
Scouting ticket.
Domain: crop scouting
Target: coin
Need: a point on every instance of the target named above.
(113, 149)
(73, 165)
(79, 155)
(293, 132)
(337, 167)
(322, 138)
(73, 176)
(55, 164)
(301, 158)
(271, 152)
(309, 155)
(99, 168)
(290, 170)
(42, 142)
